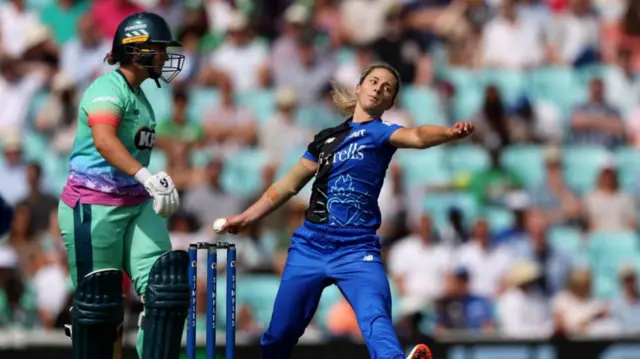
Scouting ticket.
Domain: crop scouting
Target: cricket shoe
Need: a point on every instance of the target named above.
(420, 351)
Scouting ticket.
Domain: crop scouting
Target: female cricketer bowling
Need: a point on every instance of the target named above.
(337, 244)
(112, 209)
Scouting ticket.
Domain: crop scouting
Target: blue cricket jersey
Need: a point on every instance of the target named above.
(352, 162)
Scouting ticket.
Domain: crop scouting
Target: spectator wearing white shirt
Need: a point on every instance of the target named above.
(523, 312)
(486, 263)
(625, 309)
(511, 43)
(15, 20)
(13, 181)
(242, 56)
(419, 265)
(82, 58)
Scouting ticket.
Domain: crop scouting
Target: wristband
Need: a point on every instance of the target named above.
(143, 175)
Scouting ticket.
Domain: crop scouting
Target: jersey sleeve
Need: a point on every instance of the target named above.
(313, 150)
(385, 130)
(103, 104)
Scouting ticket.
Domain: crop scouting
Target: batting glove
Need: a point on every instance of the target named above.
(166, 200)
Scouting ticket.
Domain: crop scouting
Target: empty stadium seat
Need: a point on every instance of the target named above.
(527, 161)
(161, 99)
(242, 173)
(567, 239)
(423, 104)
(629, 168)
(261, 102)
(200, 100)
(424, 167)
(582, 165)
(467, 158)
(499, 218)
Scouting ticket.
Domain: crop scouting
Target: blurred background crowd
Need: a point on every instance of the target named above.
(528, 229)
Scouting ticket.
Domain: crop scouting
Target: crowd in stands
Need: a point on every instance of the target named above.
(528, 229)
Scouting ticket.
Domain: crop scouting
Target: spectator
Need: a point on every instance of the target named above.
(486, 280)
(509, 42)
(327, 20)
(607, 206)
(555, 263)
(622, 90)
(57, 118)
(348, 72)
(493, 128)
(554, 195)
(242, 57)
(578, 311)
(342, 322)
(462, 311)
(82, 57)
(283, 125)
(523, 312)
(625, 309)
(39, 202)
(403, 49)
(15, 20)
(107, 14)
(354, 13)
(13, 185)
(596, 122)
(573, 34)
(307, 72)
(418, 264)
(180, 128)
(61, 16)
(297, 20)
(19, 82)
(181, 168)
(208, 200)
(492, 185)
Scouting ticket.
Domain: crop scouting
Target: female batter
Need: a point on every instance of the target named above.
(337, 244)
(112, 210)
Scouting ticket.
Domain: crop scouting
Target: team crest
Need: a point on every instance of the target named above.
(145, 138)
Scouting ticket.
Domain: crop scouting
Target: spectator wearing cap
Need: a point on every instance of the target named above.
(625, 309)
(560, 202)
(242, 57)
(82, 57)
(485, 262)
(533, 245)
(578, 311)
(403, 49)
(281, 126)
(607, 206)
(596, 122)
(297, 19)
(13, 181)
(523, 312)
(418, 264)
(460, 310)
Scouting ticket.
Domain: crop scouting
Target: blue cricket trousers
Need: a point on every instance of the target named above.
(319, 257)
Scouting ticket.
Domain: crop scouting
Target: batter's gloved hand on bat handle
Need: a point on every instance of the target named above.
(166, 200)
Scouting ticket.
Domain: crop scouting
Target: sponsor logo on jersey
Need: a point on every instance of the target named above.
(145, 138)
(354, 151)
(106, 99)
(359, 133)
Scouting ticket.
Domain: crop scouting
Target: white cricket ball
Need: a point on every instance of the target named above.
(218, 224)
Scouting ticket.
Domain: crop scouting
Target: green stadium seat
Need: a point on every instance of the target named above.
(527, 161)
(261, 102)
(158, 161)
(511, 84)
(629, 166)
(200, 100)
(466, 105)
(464, 80)
(467, 158)
(499, 218)
(242, 173)
(423, 104)
(259, 293)
(582, 165)
(424, 167)
(438, 205)
(34, 145)
(567, 239)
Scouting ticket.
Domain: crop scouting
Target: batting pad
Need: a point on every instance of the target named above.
(97, 316)
(166, 304)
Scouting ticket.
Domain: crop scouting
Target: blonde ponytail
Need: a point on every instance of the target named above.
(344, 99)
